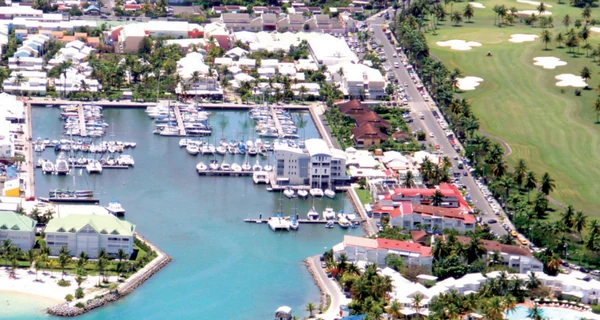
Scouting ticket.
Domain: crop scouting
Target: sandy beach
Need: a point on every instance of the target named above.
(47, 284)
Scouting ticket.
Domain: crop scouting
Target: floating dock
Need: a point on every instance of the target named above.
(307, 221)
(80, 113)
(225, 173)
(278, 126)
(104, 166)
(180, 124)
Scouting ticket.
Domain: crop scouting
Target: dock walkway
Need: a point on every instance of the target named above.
(276, 120)
(80, 113)
(180, 125)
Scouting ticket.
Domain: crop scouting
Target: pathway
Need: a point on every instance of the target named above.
(80, 113)
(180, 125)
(331, 288)
(28, 151)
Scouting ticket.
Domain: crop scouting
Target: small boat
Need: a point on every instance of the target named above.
(221, 150)
(125, 160)
(200, 167)
(115, 208)
(257, 167)
(236, 167)
(330, 224)
(329, 214)
(252, 151)
(313, 214)
(214, 165)
(47, 167)
(289, 193)
(302, 194)
(111, 160)
(93, 166)
(260, 177)
(82, 161)
(192, 148)
(343, 222)
(132, 144)
(62, 166)
(268, 168)
(246, 166)
(294, 223)
(329, 193)
(225, 166)
(316, 192)
(183, 142)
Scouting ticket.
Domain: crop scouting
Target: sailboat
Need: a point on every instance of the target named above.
(302, 194)
(313, 214)
(257, 166)
(294, 225)
(201, 167)
(329, 193)
(289, 192)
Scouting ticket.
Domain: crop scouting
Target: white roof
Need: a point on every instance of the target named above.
(223, 61)
(284, 309)
(317, 147)
(328, 50)
(241, 77)
(356, 72)
(237, 51)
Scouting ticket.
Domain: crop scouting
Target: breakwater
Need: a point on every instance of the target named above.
(80, 307)
(325, 298)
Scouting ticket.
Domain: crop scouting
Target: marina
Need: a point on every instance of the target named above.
(173, 208)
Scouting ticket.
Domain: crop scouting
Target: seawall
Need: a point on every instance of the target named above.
(311, 269)
(125, 288)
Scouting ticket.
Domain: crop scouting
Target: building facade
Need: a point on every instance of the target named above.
(90, 233)
(19, 229)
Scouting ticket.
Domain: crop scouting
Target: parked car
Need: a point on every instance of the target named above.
(492, 221)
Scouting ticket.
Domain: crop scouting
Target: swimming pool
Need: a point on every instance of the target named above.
(521, 312)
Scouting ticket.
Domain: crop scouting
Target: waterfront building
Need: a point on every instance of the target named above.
(430, 218)
(19, 229)
(329, 50)
(89, 233)
(34, 81)
(359, 249)
(7, 143)
(317, 165)
(206, 85)
(358, 79)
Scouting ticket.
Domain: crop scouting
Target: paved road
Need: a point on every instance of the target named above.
(430, 125)
(331, 288)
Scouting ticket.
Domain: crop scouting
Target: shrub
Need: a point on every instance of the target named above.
(80, 305)
(596, 309)
(79, 293)
(64, 283)
(577, 92)
(69, 297)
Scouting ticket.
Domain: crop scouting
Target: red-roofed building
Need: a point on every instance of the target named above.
(452, 198)
(408, 215)
(375, 250)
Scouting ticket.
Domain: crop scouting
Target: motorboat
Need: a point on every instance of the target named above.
(329, 193)
(330, 224)
(62, 166)
(343, 222)
(316, 192)
(115, 208)
(93, 166)
(214, 165)
(260, 177)
(313, 214)
(183, 142)
(268, 168)
(294, 225)
(82, 161)
(225, 166)
(125, 160)
(329, 214)
(111, 160)
(221, 150)
(246, 166)
(289, 192)
(47, 167)
(200, 167)
(302, 194)
(192, 148)
(236, 167)
(257, 167)
(252, 151)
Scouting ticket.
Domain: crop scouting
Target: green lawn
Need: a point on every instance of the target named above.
(552, 129)
(363, 195)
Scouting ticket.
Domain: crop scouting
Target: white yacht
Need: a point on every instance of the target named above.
(302, 194)
(62, 166)
(289, 192)
(268, 168)
(343, 222)
(183, 142)
(214, 165)
(257, 166)
(316, 192)
(260, 177)
(201, 167)
(225, 166)
(115, 208)
(329, 213)
(246, 166)
(192, 148)
(279, 223)
(313, 214)
(221, 150)
(47, 167)
(93, 166)
(329, 193)
(125, 160)
(236, 167)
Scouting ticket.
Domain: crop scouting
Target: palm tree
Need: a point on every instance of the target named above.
(394, 310)
(310, 307)
(6, 246)
(494, 308)
(473, 250)
(417, 301)
(546, 37)
(567, 217)
(63, 260)
(31, 256)
(535, 312)
(533, 282)
(597, 109)
(456, 18)
(469, 12)
(437, 198)
(530, 181)
(547, 185)
(594, 227)
(408, 179)
(18, 81)
(520, 172)
(579, 221)
(37, 265)
(586, 13)
(559, 39)
(52, 264)
(302, 90)
(585, 73)
(541, 8)
(566, 20)
(100, 265)
(495, 258)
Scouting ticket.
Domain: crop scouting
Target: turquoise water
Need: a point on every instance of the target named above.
(21, 306)
(521, 312)
(222, 267)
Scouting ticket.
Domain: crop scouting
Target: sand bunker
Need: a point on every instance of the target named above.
(477, 5)
(534, 12)
(570, 80)
(534, 3)
(595, 29)
(520, 38)
(459, 45)
(549, 62)
(468, 83)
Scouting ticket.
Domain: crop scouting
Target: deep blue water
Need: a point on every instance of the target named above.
(222, 267)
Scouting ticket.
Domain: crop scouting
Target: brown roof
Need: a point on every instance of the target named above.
(399, 135)
(368, 131)
(93, 40)
(444, 212)
(418, 235)
(370, 117)
(78, 35)
(68, 38)
(497, 246)
(352, 107)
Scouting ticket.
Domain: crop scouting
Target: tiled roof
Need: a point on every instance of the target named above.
(404, 246)
(497, 246)
(368, 131)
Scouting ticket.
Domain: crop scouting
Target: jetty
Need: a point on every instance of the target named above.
(276, 120)
(81, 115)
(305, 221)
(180, 124)
(225, 173)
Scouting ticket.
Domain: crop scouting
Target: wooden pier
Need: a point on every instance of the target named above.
(276, 120)
(306, 221)
(80, 113)
(225, 173)
(104, 166)
(180, 124)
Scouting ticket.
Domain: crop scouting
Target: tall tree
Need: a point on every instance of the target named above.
(568, 217)
(597, 109)
(520, 172)
(546, 38)
(469, 12)
(566, 20)
(547, 184)
(456, 18)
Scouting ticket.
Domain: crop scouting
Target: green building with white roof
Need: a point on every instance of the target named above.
(19, 229)
(89, 233)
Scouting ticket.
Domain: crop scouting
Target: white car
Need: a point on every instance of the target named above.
(406, 84)
(396, 65)
(431, 134)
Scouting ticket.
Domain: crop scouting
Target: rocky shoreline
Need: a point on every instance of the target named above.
(324, 296)
(125, 288)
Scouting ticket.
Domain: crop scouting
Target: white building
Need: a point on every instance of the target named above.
(317, 165)
(89, 233)
(206, 84)
(329, 50)
(356, 79)
(7, 143)
(20, 11)
(26, 63)
(33, 82)
(17, 228)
